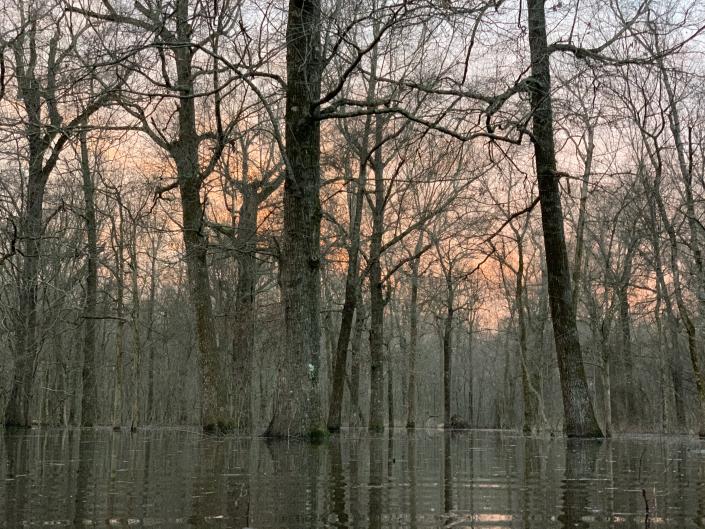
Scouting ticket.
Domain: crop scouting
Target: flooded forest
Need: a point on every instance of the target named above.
(292, 219)
(369, 263)
(224, 221)
(288, 219)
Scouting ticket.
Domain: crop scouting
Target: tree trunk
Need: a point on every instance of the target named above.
(580, 418)
(582, 217)
(672, 347)
(151, 416)
(189, 179)
(355, 359)
(244, 332)
(628, 407)
(685, 164)
(604, 337)
(534, 416)
(390, 392)
(196, 247)
(297, 410)
(413, 336)
(663, 364)
(118, 241)
(448, 349)
(683, 310)
(136, 353)
(376, 422)
(18, 411)
(352, 285)
(471, 375)
(89, 399)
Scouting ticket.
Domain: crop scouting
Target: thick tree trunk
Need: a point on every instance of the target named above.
(580, 418)
(297, 410)
(89, 398)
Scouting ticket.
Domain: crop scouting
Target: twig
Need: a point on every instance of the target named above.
(647, 521)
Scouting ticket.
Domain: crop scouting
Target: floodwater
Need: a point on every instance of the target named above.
(167, 478)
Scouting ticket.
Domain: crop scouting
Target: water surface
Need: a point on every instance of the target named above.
(179, 478)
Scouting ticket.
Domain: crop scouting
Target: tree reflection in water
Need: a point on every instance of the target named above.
(179, 478)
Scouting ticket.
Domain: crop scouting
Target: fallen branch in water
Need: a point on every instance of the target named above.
(646, 507)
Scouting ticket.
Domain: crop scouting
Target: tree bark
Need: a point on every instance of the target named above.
(376, 422)
(136, 352)
(244, 332)
(356, 358)
(448, 347)
(118, 242)
(390, 392)
(471, 375)
(606, 356)
(89, 397)
(185, 153)
(413, 336)
(297, 410)
(151, 415)
(579, 415)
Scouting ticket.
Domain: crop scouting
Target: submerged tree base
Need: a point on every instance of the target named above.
(318, 435)
(315, 436)
(220, 427)
(588, 434)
